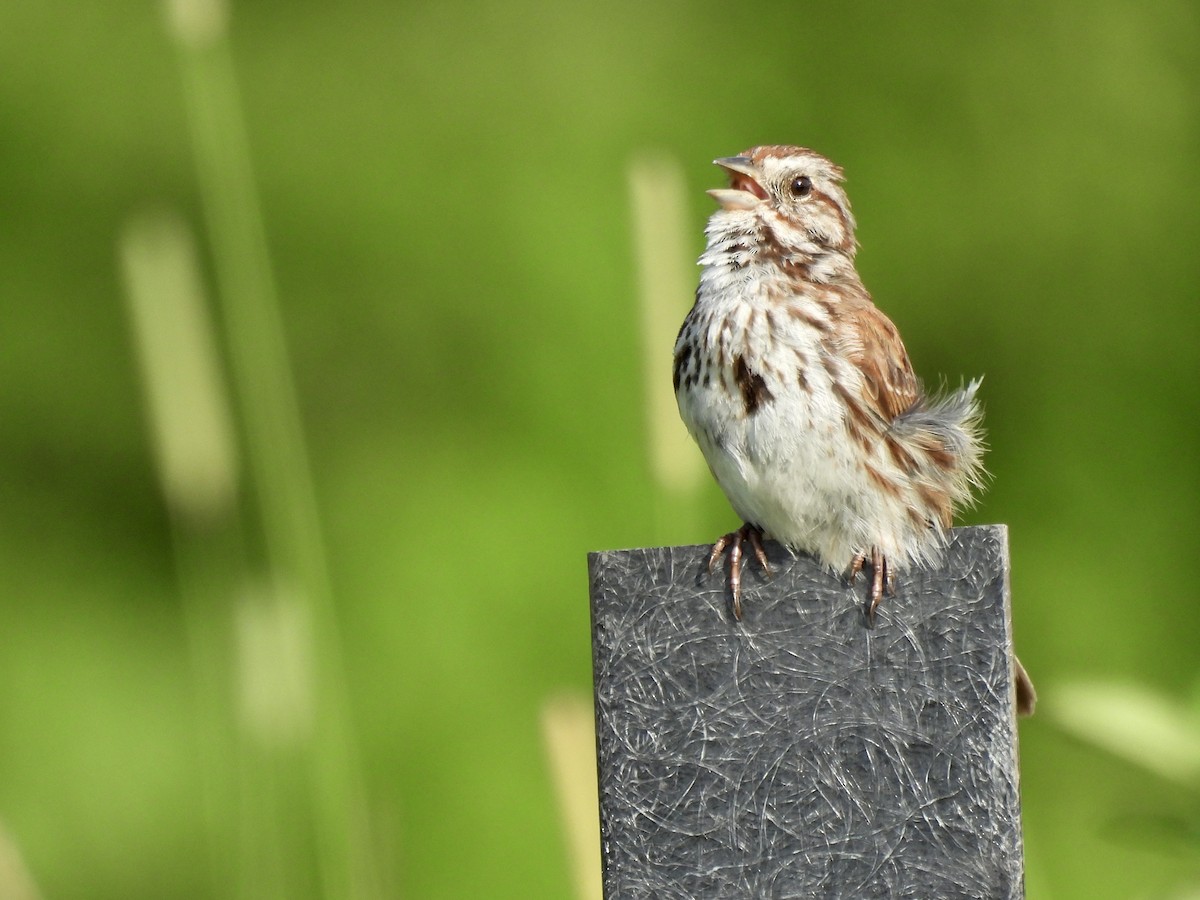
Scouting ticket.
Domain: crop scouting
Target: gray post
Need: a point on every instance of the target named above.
(800, 753)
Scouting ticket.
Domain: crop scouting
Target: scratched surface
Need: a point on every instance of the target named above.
(799, 753)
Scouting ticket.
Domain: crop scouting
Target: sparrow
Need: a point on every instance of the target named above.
(801, 395)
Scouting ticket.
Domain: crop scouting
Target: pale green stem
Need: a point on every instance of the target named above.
(666, 284)
(275, 444)
(192, 435)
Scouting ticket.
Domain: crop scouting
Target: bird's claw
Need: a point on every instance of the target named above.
(883, 579)
(733, 543)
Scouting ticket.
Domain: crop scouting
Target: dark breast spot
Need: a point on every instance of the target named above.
(682, 358)
(755, 393)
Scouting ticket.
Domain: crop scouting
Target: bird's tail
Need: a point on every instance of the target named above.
(948, 426)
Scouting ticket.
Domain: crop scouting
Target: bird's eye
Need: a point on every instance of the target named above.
(802, 186)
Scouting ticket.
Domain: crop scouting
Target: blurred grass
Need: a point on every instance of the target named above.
(446, 209)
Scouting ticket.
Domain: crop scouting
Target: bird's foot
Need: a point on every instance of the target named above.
(732, 542)
(883, 578)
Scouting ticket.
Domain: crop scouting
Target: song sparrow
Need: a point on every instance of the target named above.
(801, 395)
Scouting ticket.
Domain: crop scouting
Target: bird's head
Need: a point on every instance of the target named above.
(793, 192)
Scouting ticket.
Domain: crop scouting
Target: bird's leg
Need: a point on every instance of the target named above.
(882, 578)
(879, 574)
(735, 575)
(733, 542)
(856, 565)
(760, 552)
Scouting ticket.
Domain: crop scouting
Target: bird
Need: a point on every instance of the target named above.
(801, 395)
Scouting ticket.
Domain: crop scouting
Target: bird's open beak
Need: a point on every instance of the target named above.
(744, 191)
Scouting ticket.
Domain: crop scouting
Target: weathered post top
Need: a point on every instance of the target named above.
(799, 752)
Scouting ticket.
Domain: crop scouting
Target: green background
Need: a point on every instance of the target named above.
(445, 197)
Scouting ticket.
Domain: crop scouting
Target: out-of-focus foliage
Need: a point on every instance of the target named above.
(445, 195)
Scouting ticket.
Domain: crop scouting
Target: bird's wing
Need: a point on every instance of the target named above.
(872, 344)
